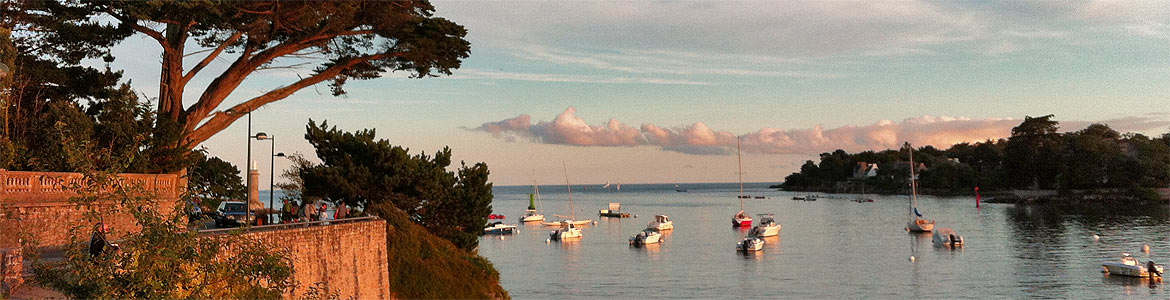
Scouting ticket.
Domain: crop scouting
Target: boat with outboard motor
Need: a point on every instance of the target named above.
(766, 227)
(947, 237)
(1129, 266)
(646, 236)
(750, 244)
(567, 231)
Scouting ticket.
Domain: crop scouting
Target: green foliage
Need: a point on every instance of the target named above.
(360, 171)
(1032, 154)
(425, 267)
(293, 186)
(1036, 156)
(162, 259)
(213, 180)
(348, 39)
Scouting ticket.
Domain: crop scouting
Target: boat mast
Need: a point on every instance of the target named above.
(739, 157)
(536, 192)
(572, 213)
(913, 184)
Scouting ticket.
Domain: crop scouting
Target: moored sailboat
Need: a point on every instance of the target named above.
(572, 218)
(740, 219)
(916, 223)
(530, 215)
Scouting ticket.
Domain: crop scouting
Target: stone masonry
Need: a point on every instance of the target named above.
(36, 206)
(347, 258)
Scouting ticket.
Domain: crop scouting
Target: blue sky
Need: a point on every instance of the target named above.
(657, 91)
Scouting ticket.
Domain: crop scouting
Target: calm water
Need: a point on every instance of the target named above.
(831, 248)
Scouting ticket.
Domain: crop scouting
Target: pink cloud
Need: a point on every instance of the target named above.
(569, 129)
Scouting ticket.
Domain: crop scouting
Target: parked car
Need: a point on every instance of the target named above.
(235, 210)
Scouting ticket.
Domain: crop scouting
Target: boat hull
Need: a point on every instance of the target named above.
(947, 237)
(532, 218)
(661, 226)
(750, 245)
(560, 235)
(648, 239)
(1116, 268)
(500, 230)
(920, 225)
(767, 230)
(736, 222)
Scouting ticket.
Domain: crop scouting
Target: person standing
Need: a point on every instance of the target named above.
(311, 212)
(342, 211)
(321, 216)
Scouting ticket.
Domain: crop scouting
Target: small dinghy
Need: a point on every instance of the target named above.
(1129, 266)
(647, 236)
(947, 237)
(750, 244)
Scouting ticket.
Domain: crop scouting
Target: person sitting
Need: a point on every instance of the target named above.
(98, 243)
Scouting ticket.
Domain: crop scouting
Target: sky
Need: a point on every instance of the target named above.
(660, 91)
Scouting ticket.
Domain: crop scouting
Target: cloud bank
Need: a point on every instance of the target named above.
(569, 129)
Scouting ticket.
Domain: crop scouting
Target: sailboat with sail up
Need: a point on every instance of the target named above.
(741, 219)
(530, 215)
(916, 223)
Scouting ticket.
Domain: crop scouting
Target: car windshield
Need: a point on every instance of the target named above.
(234, 207)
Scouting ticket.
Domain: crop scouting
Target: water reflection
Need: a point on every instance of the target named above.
(1133, 286)
(772, 244)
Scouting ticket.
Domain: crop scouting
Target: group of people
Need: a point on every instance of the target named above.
(307, 211)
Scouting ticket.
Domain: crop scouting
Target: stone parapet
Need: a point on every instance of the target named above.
(35, 206)
(347, 257)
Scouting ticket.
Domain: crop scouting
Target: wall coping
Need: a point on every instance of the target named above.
(28, 188)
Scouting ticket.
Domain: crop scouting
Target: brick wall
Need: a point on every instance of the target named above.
(347, 258)
(35, 205)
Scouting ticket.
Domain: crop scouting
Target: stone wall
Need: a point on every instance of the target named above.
(36, 206)
(347, 258)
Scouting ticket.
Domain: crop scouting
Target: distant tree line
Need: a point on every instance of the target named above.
(1036, 156)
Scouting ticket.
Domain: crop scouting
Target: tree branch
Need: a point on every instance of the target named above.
(157, 36)
(206, 60)
(221, 120)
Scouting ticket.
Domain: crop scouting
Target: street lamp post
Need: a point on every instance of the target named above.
(272, 178)
(248, 169)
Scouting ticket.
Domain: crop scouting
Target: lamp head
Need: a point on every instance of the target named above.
(261, 136)
(279, 154)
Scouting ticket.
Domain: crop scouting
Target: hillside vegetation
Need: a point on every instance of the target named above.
(425, 266)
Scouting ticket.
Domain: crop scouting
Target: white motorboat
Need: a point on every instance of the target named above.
(499, 228)
(947, 237)
(766, 227)
(647, 236)
(661, 223)
(1129, 266)
(567, 231)
(916, 223)
(750, 244)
